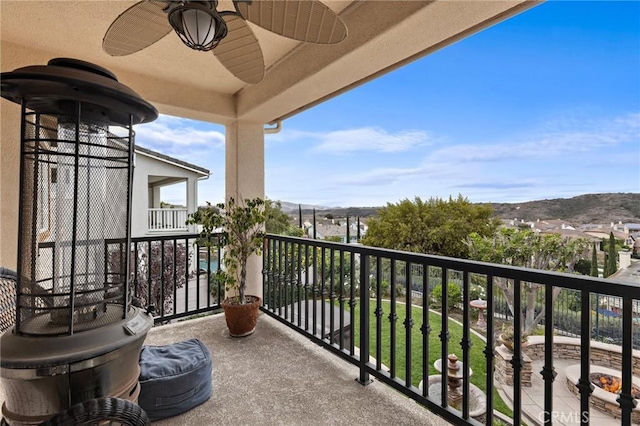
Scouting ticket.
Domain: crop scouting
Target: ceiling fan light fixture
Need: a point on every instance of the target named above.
(198, 24)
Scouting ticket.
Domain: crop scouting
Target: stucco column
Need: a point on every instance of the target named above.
(9, 183)
(13, 56)
(244, 178)
(155, 198)
(192, 199)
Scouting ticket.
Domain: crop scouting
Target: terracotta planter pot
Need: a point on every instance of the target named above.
(509, 343)
(241, 319)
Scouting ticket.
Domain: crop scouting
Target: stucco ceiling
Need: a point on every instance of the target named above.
(381, 36)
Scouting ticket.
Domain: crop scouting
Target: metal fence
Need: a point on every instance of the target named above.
(356, 300)
(605, 309)
(175, 275)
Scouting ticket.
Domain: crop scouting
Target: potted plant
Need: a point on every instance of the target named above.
(507, 336)
(241, 226)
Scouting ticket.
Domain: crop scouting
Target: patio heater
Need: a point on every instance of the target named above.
(76, 334)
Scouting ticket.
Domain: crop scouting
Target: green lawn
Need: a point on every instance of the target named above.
(476, 355)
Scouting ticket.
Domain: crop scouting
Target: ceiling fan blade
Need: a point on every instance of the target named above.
(138, 27)
(239, 51)
(304, 20)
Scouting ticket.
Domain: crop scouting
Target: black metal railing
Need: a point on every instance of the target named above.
(361, 302)
(175, 275)
(357, 300)
(172, 273)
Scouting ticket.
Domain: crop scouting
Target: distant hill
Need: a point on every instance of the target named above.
(293, 207)
(589, 208)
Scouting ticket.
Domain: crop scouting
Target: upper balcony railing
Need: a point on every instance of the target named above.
(167, 219)
(370, 307)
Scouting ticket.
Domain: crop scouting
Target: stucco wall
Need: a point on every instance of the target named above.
(9, 183)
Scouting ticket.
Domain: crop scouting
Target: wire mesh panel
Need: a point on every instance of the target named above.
(74, 218)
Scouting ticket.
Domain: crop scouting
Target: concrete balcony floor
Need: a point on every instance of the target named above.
(278, 377)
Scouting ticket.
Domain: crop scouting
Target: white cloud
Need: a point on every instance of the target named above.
(552, 160)
(367, 139)
(370, 139)
(173, 135)
(553, 139)
(379, 176)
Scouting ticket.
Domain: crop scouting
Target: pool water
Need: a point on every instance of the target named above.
(203, 265)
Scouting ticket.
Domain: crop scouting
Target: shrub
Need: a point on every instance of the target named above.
(477, 292)
(153, 272)
(454, 295)
(384, 290)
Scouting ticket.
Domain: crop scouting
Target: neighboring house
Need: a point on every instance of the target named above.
(562, 227)
(552, 225)
(636, 243)
(153, 171)
(572, 233)
(331, 228)
(603, 232)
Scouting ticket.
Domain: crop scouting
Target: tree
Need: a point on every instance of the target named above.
(610, 261)
(583, 267)
(594, 262)
(242, 227)
(514, 247)
(436, 226)
(277, 221)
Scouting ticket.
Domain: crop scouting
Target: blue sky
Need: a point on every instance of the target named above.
(544, 105)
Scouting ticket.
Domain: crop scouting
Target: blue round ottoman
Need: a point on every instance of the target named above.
(174, 378)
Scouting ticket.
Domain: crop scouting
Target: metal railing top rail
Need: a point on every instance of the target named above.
(189, 236)
(614, 287)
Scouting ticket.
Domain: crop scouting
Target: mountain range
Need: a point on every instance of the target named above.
(588, 208)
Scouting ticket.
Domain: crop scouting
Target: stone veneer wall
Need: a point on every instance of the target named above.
(504, 369)
(603, 354)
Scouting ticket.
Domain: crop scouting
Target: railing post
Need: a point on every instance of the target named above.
(517, 362)
(408, 324)
(626, 400)
(465, 344)
(584, 385)
(548, 370)
(444, 338)
(364, 319)
(489, 351)
(379, 312)
(393, 318)
(425, 330)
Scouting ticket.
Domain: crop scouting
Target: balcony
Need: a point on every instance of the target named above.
(298, 273)
(322, 308)
(167, 220)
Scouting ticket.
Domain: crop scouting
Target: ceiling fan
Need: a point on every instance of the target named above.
(201, 27)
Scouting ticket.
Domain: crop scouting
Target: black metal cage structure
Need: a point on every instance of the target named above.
(75, 185)
(76, 335)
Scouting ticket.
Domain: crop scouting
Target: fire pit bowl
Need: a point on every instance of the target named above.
(611, 383)
(601, 399)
